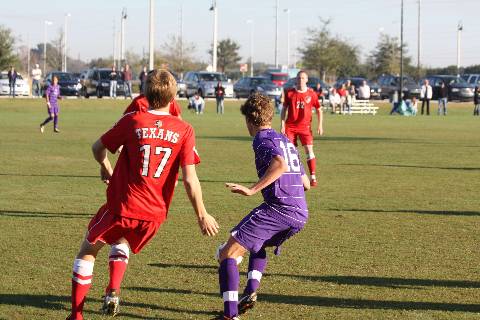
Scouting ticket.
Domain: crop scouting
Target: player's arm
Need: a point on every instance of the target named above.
(100, 154)
(276, 168)
(207, 223)
(319, 114)
(283, 114)
(306, 182)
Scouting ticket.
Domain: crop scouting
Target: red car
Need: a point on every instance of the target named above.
(279, 78)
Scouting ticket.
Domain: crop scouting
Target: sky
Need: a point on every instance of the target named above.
(360, 22)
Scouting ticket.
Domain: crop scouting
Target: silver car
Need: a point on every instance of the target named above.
(22, 88)
(205, 82)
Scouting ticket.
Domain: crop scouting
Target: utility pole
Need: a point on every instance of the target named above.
(215, 25)
(400, 94)
(180, 38)
(114, 42)
(419, 42)
(122, 35)
(150, 42)
(65, 51)
(276, 35)
(459, 38)
(250, 21)
(46, 23)
(288, 37)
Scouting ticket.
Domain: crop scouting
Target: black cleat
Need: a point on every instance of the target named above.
(247, 302)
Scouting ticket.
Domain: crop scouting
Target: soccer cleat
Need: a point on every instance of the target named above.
(247, 302)
(313, 183)
(111, 304)
(42, 128)
(56, 130)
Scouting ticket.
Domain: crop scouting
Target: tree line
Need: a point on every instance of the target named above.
(323, 53)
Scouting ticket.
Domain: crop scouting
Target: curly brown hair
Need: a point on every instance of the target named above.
(161, 88)
(258, 110)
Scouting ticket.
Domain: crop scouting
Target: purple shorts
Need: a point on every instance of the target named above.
(261, 229)
(53, 109)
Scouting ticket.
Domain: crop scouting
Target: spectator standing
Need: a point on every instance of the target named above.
(52, 95)
(36, 76)
(350, 99)
(395, 102)
(442, 99)
(197, 103)
(342, 92)
(426, 94)
(143, 77)
(12, 79)
(319, 91)
(364, 91)
(476, 101)
(220, 97)
(127, 78)
(113, 83)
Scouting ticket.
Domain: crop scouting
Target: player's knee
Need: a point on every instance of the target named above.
(119, 251)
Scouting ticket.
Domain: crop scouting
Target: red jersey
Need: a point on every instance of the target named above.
(155, 144)
(140, 103)
(342, 92)
(300, 106)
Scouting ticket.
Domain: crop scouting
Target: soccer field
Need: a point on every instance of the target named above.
(393, 230)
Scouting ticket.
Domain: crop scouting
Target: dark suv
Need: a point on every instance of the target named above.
(96, 82)
(389, 84)
(248, 85)
(458, 89)
(69, 85)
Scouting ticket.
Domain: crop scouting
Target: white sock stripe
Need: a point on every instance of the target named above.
(83, 267)
(120, 249)
(81, 281)
(254, 275)
(118, 259)
(230, 296)
(310, 156)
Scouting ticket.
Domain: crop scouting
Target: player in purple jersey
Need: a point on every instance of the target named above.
(52, 94)
(284, 212)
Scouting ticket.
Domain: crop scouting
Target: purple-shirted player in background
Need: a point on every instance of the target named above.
(52, 94)
(284, 212)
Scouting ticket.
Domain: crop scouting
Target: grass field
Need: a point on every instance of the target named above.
(393, 233)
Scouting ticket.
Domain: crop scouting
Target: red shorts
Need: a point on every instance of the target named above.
(305, 135)
(108, 227)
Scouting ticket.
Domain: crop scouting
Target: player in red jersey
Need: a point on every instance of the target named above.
(140, 103)
(140, 188)
(298, 104)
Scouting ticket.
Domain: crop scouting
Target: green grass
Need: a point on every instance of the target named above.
(393, 231)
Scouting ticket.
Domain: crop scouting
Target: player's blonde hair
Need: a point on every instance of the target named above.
(161, 88)
(258, 110)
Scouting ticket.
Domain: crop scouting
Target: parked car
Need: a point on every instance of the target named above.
(96, 82)
(22, 88)
(248, 85)
(279, 78)
(473, 79)
(390, 83)
(69, 85)
(205, 82)
(458, 89)
(312, 83)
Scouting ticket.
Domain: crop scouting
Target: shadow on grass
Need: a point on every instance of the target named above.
(227, 138)
(36, 214)
(434, 212)
(410, 166)
(63, 303)
(336, 302)
(353, 139)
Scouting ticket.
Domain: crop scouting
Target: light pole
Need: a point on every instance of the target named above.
(459, 38)
(401, 55)
(294, 35)
(215, 25)
(65, 43)
(46, 23)
(150, 45)
(419, 42)
(288, 37)
(276, 35)
(122, 36)
(250, 21)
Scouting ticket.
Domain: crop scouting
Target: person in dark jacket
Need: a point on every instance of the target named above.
(442, 99)
(476, 101)
(220, 96)
(143, 77)
(113, 83)
(12, 79)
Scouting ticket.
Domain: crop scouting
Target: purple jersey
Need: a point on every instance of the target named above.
(286, 195)
(53, 92)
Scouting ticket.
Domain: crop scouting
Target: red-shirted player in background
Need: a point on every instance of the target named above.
(140, 103)
(140, 188)
(298, 104)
